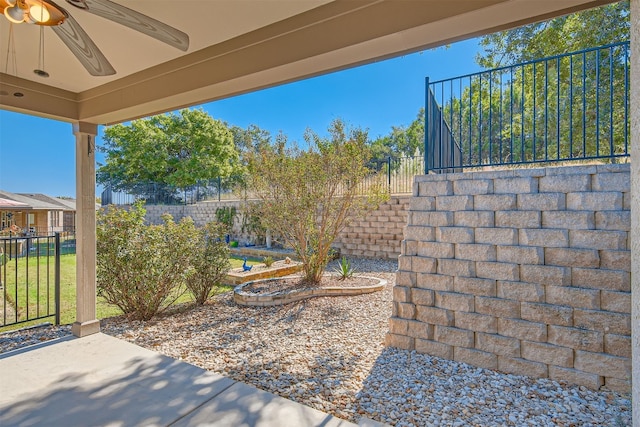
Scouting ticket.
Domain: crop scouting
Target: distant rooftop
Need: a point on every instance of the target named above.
(36, 202)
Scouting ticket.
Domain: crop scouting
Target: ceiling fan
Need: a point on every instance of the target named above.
(48, 13)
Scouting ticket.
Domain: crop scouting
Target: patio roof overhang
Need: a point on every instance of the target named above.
(238, 47)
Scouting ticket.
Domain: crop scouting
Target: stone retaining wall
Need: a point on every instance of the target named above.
(376, 236)
(525, 271)
(379, 235)
(201, 213)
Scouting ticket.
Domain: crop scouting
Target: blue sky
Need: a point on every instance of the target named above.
(37, 155)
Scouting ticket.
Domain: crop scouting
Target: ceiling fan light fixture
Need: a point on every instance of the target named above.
(36, 12)
(15, 14)
(39, 13)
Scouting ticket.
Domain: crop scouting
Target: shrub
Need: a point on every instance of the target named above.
(268, 261)
(251, 222)
(226, 215)
(210, 261)
(140, 268)
(344, 269)
(308, 196)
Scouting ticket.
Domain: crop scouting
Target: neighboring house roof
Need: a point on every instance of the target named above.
(33, 201)
(11, 204)
(67, 205)
(37, 201)
(71, 203)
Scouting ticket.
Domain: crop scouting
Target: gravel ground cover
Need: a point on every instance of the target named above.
(329, 353)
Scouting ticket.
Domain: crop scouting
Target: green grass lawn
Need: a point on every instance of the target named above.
(237, 261)
(39, 287)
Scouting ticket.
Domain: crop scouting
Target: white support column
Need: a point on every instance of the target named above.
(635, 209)
(86, 322)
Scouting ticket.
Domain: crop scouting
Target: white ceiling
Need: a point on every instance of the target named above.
(238, 46)
(207, 22)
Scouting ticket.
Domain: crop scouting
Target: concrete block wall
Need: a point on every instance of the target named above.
(201, 213)
(379, 234)
(524, 271)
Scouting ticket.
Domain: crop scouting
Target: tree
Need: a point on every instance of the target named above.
(401, 141)
(504, 116)
(309, 196)
(171, 151)
(582, 30)
(250, 139)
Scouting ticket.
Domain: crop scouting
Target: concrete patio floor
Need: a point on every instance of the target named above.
(102, 381)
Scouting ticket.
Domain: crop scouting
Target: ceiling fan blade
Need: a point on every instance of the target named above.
(139, 22)
(81, 45)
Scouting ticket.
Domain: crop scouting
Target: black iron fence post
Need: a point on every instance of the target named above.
(389, 171)
(426, 126)
(57, 278)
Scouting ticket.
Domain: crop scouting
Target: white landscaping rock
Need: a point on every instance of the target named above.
(328, 353)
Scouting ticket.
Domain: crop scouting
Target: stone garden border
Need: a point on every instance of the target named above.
(279, 269)
(280, 298)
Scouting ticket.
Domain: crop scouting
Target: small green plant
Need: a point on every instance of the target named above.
(251, 222)
(210, 261)
(226, 215)
(344, 269)
(268, 261)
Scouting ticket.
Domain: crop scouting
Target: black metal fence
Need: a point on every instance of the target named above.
(442, 153)
(566, 107)
(34, 231)
(30, 277)
(396, 173)
(160, 194)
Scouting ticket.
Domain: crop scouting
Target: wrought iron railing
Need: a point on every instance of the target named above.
(567, 107)
(30, 277)
(395, 172)
(34, 231)
(443, 153)
(158, 194)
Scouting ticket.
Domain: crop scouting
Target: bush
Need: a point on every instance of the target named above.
(210, 261)
(268, 261)
(309, 195)
(142, 269)
(226, 215)
(344, 269)
(252, 223)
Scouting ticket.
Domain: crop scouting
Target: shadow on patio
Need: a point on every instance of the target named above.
(100, 380)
